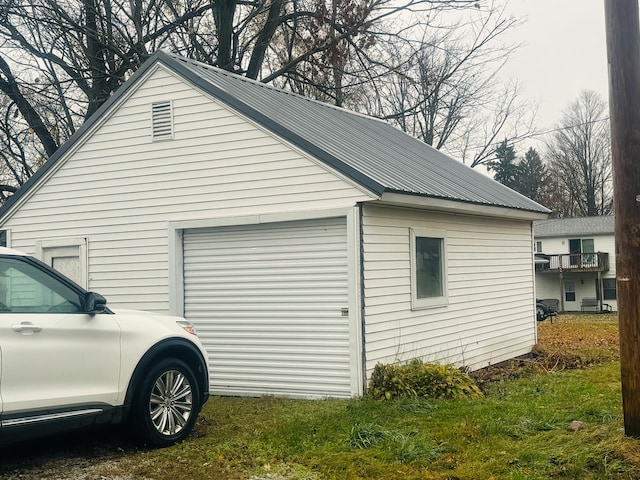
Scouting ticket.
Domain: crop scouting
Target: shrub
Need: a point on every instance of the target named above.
(422, 380)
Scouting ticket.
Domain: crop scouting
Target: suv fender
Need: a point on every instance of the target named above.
(170, 348)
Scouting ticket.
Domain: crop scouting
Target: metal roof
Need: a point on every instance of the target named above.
(371, 152)
(374, 153)
(574, 227)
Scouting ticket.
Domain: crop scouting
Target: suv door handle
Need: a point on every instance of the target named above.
(27, 328)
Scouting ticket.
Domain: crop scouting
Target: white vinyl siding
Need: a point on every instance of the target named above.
(270, 303)
(120, 188)
(490, 312)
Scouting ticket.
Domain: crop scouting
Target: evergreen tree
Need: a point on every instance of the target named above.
(532, 176)
(505, 166)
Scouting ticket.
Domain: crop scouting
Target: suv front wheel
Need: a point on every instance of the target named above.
(166, 403)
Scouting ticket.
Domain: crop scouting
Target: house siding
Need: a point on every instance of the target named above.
(490, 311)
(119, 189)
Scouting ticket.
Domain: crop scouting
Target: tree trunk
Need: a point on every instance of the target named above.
(264, 39)
(224, 11)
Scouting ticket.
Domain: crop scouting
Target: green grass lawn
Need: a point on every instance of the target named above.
(519, 430)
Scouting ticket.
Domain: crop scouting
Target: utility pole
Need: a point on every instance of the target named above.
(623, 52)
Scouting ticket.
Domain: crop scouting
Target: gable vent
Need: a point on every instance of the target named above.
(162, 120)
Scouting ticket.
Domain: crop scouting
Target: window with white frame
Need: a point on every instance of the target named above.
(66, 255)
(428, 268)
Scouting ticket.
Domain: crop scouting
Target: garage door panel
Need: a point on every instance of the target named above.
(269, 304)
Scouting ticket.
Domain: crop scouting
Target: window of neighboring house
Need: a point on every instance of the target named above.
(428, 268)
(538, 247)
(589, 258)
(3, 238)
(582, 252)
(608, 289)
(569, 291)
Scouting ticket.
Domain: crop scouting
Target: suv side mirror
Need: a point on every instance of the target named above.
(94, 303)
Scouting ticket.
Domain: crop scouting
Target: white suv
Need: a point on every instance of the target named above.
(68, 361)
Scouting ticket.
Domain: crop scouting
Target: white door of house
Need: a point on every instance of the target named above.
(570, 297)
(270, 304)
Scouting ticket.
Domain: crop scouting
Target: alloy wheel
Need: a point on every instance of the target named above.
(171, 402)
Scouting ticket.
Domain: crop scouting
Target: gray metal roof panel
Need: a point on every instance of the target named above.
(573, 227)
(382, 153)
(369, 151)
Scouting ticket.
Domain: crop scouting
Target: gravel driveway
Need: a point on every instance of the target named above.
(98, 454)
(89, 455)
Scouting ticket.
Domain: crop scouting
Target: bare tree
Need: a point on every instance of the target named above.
(580, 156)
(447, 93)
(61, 59)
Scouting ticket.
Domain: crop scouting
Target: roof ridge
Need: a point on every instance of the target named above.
(239, 77)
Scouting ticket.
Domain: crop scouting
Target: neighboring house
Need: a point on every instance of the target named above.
(306, 242)
(575, 262)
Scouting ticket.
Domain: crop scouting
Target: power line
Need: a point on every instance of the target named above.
(559, 129)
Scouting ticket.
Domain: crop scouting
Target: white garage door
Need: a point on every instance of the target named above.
(270, 304)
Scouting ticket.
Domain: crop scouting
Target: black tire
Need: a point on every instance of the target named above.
(166, 404)
(541, 313)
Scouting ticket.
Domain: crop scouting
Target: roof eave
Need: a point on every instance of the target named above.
(573, 234)
(457, 206)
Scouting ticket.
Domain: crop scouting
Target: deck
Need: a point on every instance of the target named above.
(570, 262)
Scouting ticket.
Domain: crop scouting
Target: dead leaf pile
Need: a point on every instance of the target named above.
(570, 342)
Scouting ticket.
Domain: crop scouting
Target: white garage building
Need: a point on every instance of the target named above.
(306, 242)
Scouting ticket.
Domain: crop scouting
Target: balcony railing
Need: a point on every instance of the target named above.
(572, 262)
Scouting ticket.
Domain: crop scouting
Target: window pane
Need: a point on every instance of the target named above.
(609, 287)
(588, 261)
(429, 267)
(24, 288)
(570, 292)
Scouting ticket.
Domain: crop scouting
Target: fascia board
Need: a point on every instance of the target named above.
(453, 206)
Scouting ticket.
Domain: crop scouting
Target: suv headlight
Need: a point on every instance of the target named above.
(187, 326)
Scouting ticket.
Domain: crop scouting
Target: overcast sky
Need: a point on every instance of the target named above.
(564, 52)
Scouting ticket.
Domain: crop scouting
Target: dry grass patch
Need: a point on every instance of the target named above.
(571, 341)
(578, 340)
